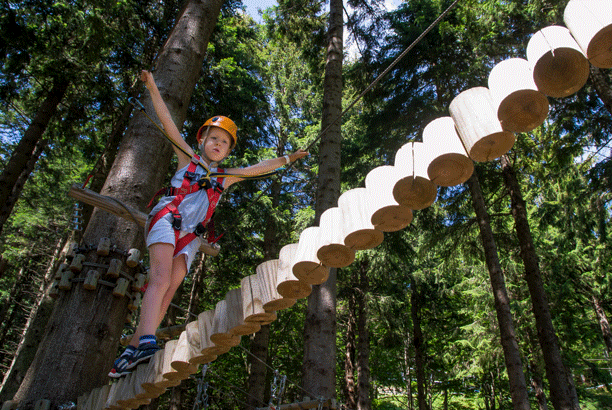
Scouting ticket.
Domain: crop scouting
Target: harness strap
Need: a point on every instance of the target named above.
(213, 191)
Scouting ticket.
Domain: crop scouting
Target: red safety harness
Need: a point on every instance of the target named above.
(214, 188)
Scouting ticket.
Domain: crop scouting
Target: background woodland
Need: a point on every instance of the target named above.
(415, 325)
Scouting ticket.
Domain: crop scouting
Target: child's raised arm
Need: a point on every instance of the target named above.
(263, 166)
(164, 116)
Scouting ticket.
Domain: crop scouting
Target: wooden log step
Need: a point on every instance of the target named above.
(307, 267)
(386, 214)
(268, 275)
(450, 164)
(288, 285)
(413, 188)
(359, 232)
(332, 250)
(478, 127)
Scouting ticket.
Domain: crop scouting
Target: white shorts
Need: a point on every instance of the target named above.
(163, 232)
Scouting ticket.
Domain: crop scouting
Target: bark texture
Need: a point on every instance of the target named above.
(562, 391)
(604, 324)
(83, 336)
(363, 342)
(512, 354)
(27, 152)
(349, 355)
(419, 346)
(319, 368)
(602, 86)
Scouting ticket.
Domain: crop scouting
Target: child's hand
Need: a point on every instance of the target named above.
(298, 154)
(147, 77)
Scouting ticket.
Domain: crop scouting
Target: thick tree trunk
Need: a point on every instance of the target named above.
(363, 342)
(349, 355)
(27, 152)
(512, 354)
(604, 325)
(82, 339)
(319, 368)
(562, 391)
(602, 86)
(256, 382)
(419, 345)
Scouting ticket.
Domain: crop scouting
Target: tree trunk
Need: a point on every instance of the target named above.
(512, 354)
(602, 86)
(349, 355)
(562, 390)
(27, 152)
(603, 324)
(83, 334)
(257, 382)
(419, 346)
(363, 341)
(33, 330)
(319, 368)
(408, 373)
(538, 386)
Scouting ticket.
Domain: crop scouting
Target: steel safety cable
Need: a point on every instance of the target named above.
(273, 370)
(364, 92)
(234, 387)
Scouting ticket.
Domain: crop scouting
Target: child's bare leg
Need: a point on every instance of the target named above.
(179, 270)
(161, 260)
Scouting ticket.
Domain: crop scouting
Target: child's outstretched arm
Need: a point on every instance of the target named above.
(263, 167)
(164, 116)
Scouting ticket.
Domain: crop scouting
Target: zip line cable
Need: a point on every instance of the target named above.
(364, 92)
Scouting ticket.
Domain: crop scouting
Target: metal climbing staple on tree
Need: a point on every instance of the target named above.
(201, 401)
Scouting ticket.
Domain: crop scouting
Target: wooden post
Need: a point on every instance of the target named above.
(91, 279)
(413, 188)
(478, 126)
(332, 250)
(450, 164)
(590, 22)
(167, 371)
(133, 258)
(559, 66)
(114, 268)
(288, 285)
(386, 214)
(103, 247)
(520, 106)
(77, 263)
(359, 232)
(268, 274)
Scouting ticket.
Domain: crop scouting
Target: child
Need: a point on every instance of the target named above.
(175, 224)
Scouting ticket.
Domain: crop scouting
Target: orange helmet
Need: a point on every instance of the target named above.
(222, 122)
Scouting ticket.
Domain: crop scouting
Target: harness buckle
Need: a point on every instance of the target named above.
(199, 229)
(205, 183)
(177, 220)
(190, 175)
